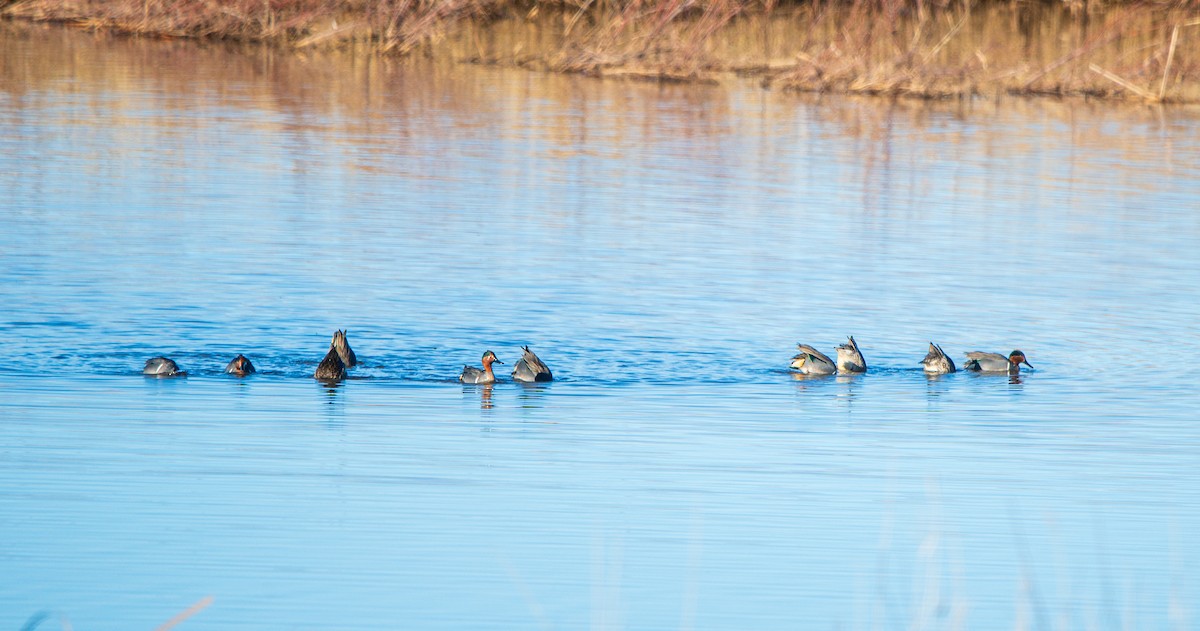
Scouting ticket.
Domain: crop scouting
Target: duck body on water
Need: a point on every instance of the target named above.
(162, 367)
(337, 360)
(849, 358)
(937, 362)
(810, 361)
(471, 374)
(240, 366)
(980, 361)
(331, 367)
(349, 359)
(530, 369)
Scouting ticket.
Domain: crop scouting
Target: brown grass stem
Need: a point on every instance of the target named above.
(919, 48)
(196, 608)
(1142, 92)
(1162, 88)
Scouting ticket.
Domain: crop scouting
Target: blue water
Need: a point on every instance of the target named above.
(663, 249)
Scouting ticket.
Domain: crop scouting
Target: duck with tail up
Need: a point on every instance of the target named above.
(849, 358)
(810, 361)
(530, 369)
(937, 362)
(349, 359)
(331, 367)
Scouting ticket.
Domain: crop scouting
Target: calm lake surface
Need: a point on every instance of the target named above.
(663, 248)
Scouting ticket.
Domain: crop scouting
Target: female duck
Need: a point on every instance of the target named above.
(345, 353)
(331, 367)
(530, 369)
(240, 366)
(995, 362)
(471, 374)
(811, 361)
(162, 367)
(937, 362)
(849, 359)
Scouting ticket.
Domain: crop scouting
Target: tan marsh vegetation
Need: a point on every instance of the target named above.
(1147, 51)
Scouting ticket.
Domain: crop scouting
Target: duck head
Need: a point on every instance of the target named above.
(1016, 358)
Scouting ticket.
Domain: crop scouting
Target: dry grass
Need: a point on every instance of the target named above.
(1011, 49)
(393, 24)
(924, 48)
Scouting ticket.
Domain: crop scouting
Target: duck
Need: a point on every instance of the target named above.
(162, 367)
(349, 359)
(530, 369)
(849, 359)
(995, 362)
(240, 366)
(937, 362)
(471, 374)
(810, 361)
(331, 367)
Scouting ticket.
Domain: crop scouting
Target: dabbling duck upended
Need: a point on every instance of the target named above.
(530, 369)
(810, 361)
(937, 362)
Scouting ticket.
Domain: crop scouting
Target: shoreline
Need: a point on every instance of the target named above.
(1146, 53)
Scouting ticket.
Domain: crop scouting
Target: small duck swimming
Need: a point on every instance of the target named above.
(162, 367)
(811, 361)
(849, 359)
(471, 374)
(530, 369)
(331, 368)
(240, 366)
(995, 362)
(937, 362)
(349, 359)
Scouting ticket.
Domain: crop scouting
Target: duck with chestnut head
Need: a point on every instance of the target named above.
(471, 374)
(240, 366)
(995, 362)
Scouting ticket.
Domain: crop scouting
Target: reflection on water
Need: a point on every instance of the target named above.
(667, 246)
(484, 392)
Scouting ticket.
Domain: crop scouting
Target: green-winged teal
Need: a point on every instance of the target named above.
(995, 362)
(810, 361)
(162, 367)
(529, 368)
(849, 359)
(471, 374)
(240, 366)
(937, 362)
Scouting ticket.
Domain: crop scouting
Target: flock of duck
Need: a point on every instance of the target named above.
(341, 357)
(810, 361)
(530, 369)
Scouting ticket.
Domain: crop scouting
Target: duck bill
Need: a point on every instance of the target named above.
(1027, 364)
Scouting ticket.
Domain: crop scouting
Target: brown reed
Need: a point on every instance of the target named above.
(1148, 50)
